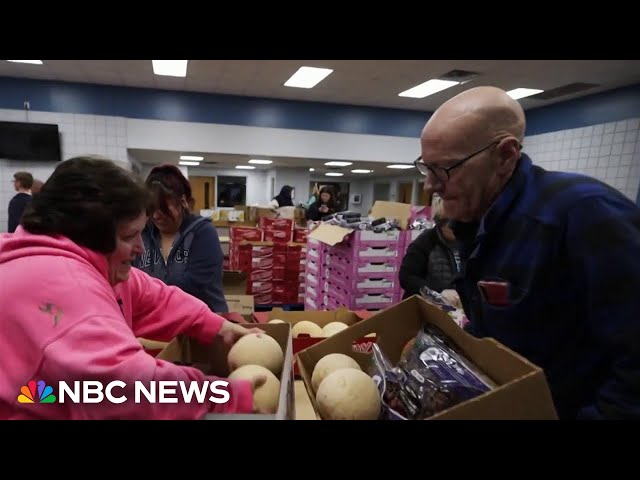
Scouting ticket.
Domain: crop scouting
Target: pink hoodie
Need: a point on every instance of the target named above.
(61, 320)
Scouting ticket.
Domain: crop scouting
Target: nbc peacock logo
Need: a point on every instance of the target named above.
(36, 392)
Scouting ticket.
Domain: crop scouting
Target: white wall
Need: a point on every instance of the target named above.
(297, 178)
(202, 137)
(609, 152)
(79, 134)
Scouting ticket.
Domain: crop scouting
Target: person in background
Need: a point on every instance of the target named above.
(432, 261)
(550, 259)
(73, 307)
(22, 182)
(323, 207)
(284, 198)
(181, 248)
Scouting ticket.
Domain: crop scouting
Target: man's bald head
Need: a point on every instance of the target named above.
(485, 126)
(478, 114)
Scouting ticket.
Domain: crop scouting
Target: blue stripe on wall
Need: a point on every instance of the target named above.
(207, 108)
(611, 106)
(141, 103)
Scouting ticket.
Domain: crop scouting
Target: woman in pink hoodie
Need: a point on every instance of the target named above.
(73, 308)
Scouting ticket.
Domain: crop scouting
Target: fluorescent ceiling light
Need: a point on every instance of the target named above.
(245, 167)
(400, 166)
(517, 93)
(334, 174)
(189, 164)
(307, 77)
(312, 169)
(171, 68)
(193, 158)
(359, 170)
(338, 164)
(261, 162)
(33, 62)
(428, 88)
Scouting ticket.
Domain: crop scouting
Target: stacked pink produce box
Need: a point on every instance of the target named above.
(358, 271)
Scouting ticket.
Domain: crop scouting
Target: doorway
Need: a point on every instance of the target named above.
(406, 192)
(203, 190)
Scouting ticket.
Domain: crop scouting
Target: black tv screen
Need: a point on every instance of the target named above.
(30, 142)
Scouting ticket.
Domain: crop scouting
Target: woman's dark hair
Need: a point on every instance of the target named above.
(284, 197)
(328, 190)
(85, 200)
(166, 182)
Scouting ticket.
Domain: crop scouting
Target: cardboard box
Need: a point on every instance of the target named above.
(320, 318)
(234, 285)
(332, 234)
(522, 392)
(214, 356)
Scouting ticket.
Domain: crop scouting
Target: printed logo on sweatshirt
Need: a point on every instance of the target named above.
(53, 310)
(93, 391)
(179, 256)
(36, 392)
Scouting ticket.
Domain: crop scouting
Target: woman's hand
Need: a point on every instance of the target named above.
(232, 332)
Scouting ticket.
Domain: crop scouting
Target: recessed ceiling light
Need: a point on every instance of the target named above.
(338, 164)
(170, 68)
(260, 162)
(334, 174)
(189, 164)
(312, 169)
(245, 167)
(33, 62)
(193, 158)
(517, 93)
(428, 88)
(400, 166)
(359, 170)
(307, 77)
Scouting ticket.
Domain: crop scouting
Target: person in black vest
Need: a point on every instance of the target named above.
(181, 248)
(432, 260)
(22, 182)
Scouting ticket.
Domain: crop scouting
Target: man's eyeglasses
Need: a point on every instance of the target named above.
(442, 173)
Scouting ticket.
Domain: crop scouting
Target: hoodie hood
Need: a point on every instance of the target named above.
(21, 244)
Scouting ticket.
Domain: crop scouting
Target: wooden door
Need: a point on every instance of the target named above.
(425, 197)
(204, 192)
(406, 190)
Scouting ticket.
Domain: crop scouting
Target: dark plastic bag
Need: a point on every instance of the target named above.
(432, 376)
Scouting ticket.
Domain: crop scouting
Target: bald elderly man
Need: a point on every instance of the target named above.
(551, 260)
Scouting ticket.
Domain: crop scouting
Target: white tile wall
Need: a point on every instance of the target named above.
(609, 152)
(80, 134)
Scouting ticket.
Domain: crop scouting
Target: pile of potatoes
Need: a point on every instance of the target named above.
(258, 354)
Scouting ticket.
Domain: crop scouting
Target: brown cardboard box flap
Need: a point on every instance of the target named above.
(329, 234)
(242, 304)
(521, 389)
(395, 210)
(213, 357)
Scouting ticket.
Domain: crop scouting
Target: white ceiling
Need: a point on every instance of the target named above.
(228, 161)
(355, 82)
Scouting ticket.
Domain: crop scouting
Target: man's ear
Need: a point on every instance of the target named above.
(508, 151)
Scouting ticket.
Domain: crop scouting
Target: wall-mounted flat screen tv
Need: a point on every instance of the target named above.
(27, 141)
